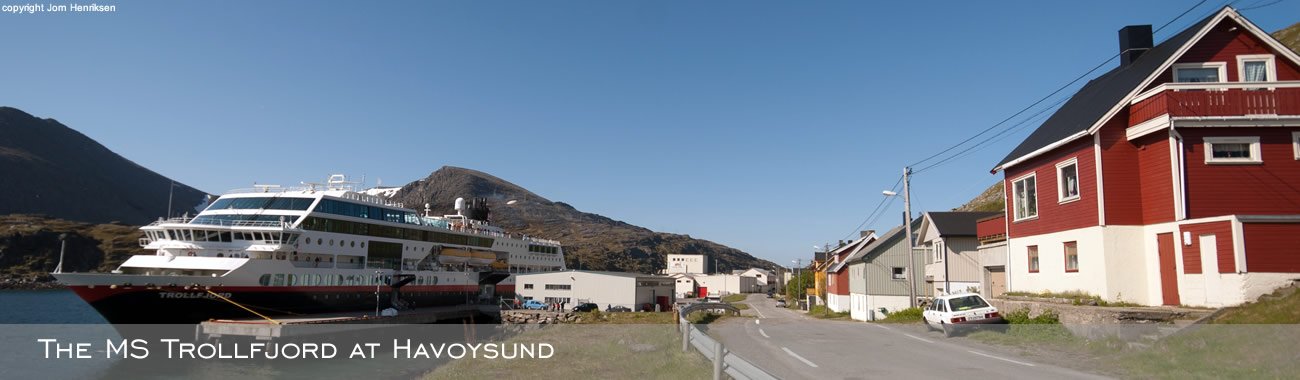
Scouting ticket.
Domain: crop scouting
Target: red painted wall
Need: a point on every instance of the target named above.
(1120, 174)
(1270, 188)
(1155, 178)
(1222, 232)
(838, 283)
(1272, 247)
(1054, 216)
(1222, 45)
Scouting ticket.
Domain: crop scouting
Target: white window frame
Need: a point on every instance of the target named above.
(1060, 181)
(1222, 66)
(1254, 150)
(1270, 67)
(1015, 205)
(938, 251)
(1295, 144)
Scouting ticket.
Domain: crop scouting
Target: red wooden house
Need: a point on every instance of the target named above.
(1172, 179)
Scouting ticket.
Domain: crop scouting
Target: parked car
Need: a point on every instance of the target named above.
(780, 303)
(586, 307)
(618, 309)
(534, 305)
(954, 312)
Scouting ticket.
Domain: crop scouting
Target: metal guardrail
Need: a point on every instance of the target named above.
(731, 364)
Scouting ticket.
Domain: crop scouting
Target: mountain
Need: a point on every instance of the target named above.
(591, 241)
(29, 248)
(992, 199)
(54, 170)
(1289, 36)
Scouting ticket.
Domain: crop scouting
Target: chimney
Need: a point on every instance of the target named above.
(866, 233)
(1133, 41)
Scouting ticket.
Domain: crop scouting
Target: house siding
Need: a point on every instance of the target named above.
(1223, 45)
(1272, 247)
(1052, 215)
(1121, 176)
(1155, 178)
(963, 262)
(879, 276)
(1270, 188)
(1222, 231)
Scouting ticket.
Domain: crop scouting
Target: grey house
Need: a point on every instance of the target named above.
(952, 251)
(878, 275)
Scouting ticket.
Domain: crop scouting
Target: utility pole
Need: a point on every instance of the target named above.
(907, 223)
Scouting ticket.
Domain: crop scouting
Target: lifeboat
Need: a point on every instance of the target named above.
(454, 256)
(483, 258)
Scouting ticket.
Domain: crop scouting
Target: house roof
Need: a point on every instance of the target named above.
(958, 223)
(1096, 99)
(852, 249)
(885, 241)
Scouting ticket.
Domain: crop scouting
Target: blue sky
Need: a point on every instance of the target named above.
(769, 126)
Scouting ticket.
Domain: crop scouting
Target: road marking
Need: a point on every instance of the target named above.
(880, 326)
(760, 331)
(760, 313)
(1000, 358)
(756, 321)
(796, 356)
(918, 338)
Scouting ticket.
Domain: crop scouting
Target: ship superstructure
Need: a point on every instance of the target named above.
(312, 249)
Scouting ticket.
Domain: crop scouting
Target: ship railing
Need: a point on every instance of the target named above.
(242, 223)
(176, 220)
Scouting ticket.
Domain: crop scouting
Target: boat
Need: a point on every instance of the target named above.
(317, 248)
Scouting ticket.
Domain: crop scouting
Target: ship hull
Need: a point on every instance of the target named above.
(168, 305)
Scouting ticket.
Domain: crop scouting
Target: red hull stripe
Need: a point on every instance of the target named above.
(100, 292)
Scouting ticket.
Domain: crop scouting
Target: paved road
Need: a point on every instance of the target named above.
(791, 345)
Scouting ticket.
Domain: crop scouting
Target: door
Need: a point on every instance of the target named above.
(997, 281)
(1168, 270)
(1210, 267)
(704, 292)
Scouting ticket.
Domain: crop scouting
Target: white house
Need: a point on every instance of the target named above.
(632, 290)
(680, 263)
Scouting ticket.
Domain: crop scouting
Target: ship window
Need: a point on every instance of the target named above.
(279, 280)
(265, 280)
(225, 237)
(293, 279)
(353, 244)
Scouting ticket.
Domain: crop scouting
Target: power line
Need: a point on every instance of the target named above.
(1048, 96)
(869, 219)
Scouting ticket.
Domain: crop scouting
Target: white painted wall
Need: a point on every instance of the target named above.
(890, 303)
(600, 288)
(858, 306)
(1090, 278)
(678, 263)
(838, 303)
(727, 283)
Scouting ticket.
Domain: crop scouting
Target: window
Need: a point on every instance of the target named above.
(1295, 144)
(558, 287)
(1067, 178)
(528, 286)
(1209, 72)
(900, 273)
(1256, 68)
(1232, 150)
(1033, 259)
(1072, 256)
(1025, 197)
(938, 251)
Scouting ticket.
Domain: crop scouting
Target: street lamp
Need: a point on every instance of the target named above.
(907, 225)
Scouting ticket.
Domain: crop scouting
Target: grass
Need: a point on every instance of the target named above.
(638, 318)
(820, 311)
(1281, 307)
(734, 298)
(1076, 297)
(908, 315)
(645, 351)
(1255, 340)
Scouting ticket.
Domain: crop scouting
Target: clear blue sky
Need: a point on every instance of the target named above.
(769, 126)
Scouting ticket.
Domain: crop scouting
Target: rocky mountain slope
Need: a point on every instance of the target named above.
(54, 170)
(591, 241)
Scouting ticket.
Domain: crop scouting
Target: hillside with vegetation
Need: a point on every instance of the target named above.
(591, 241)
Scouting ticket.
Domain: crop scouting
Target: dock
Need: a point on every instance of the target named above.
(315, 324)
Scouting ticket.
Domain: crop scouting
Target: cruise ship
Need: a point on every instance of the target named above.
(318, 248)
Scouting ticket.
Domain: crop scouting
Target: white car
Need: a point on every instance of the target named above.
(950, 312)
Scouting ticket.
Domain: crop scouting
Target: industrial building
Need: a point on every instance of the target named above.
(606, 289)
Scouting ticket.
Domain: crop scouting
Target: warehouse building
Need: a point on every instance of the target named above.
(605, 289)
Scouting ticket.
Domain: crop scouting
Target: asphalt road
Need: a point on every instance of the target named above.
(790, 345)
